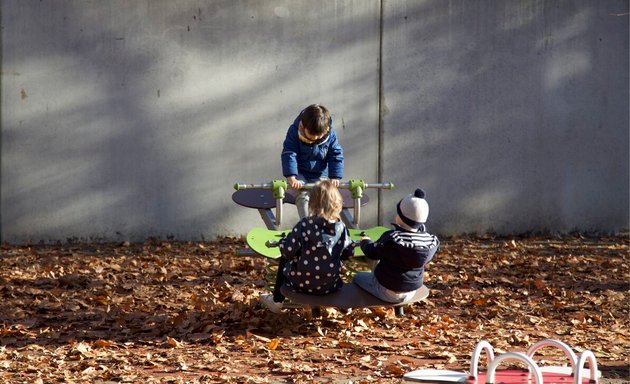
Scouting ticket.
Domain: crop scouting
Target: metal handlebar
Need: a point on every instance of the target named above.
(279, 188)
(344, 184)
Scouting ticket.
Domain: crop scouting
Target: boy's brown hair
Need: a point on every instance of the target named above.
(316, 119)
(325, 201)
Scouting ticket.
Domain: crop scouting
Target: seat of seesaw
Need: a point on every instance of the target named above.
(263, 198)
(259, 198)
(349, 296)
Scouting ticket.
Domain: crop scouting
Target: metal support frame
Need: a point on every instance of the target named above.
(269, 219)
(279, 188)
(355, 186)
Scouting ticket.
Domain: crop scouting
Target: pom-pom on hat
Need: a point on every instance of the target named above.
(413, 209)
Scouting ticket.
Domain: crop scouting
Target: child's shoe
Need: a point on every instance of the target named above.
(267, 301)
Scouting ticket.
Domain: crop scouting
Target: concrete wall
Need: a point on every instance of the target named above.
(512, 114)
(129, 119)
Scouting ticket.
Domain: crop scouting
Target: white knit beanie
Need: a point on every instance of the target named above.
(413, 209)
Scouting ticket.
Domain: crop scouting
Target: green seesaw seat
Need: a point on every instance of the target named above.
(263, 240)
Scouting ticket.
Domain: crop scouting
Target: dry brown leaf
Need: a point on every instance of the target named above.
(394, 369)
(100, 343)
(273, 344)
(172, 342)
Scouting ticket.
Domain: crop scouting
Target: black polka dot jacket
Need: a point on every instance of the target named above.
(314, 251)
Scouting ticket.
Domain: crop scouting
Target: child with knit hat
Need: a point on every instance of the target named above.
(401, 252)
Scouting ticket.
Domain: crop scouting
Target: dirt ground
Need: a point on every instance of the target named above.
(173, 312)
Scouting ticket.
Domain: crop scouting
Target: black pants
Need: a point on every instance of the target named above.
(278, 297)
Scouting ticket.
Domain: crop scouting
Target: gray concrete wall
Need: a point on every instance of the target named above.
(512, 114)
(129, 119)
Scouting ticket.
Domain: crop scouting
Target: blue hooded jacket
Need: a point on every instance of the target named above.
(323, 158)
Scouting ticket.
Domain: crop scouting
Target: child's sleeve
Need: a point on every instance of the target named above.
(348, 246)
(376, 250)
(289, 154)
(432, 249)
(334, 157)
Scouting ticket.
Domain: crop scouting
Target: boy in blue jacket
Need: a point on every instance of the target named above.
(402, 253)
(311, 152)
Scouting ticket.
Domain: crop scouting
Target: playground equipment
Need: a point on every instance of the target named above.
(265, 196)
(263, 241)
(575, 373)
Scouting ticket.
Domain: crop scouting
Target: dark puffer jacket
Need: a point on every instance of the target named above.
(402, 256)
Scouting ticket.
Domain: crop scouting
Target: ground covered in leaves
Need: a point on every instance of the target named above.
(169, 312)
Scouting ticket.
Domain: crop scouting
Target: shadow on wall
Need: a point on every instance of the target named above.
(512, 116)
(129, 120)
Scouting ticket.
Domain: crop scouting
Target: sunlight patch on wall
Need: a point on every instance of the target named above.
(35, 93)
(568, 62)
(487, 202)
(567, 30)
(561, 69)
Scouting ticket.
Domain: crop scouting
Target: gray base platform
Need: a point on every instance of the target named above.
(349, 296)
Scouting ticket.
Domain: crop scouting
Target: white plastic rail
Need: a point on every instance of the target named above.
(483, 345)
(538, 378)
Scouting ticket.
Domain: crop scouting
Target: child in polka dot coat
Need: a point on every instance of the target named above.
(313, 251)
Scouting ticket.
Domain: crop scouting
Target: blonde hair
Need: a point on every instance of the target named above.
(325, 201)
